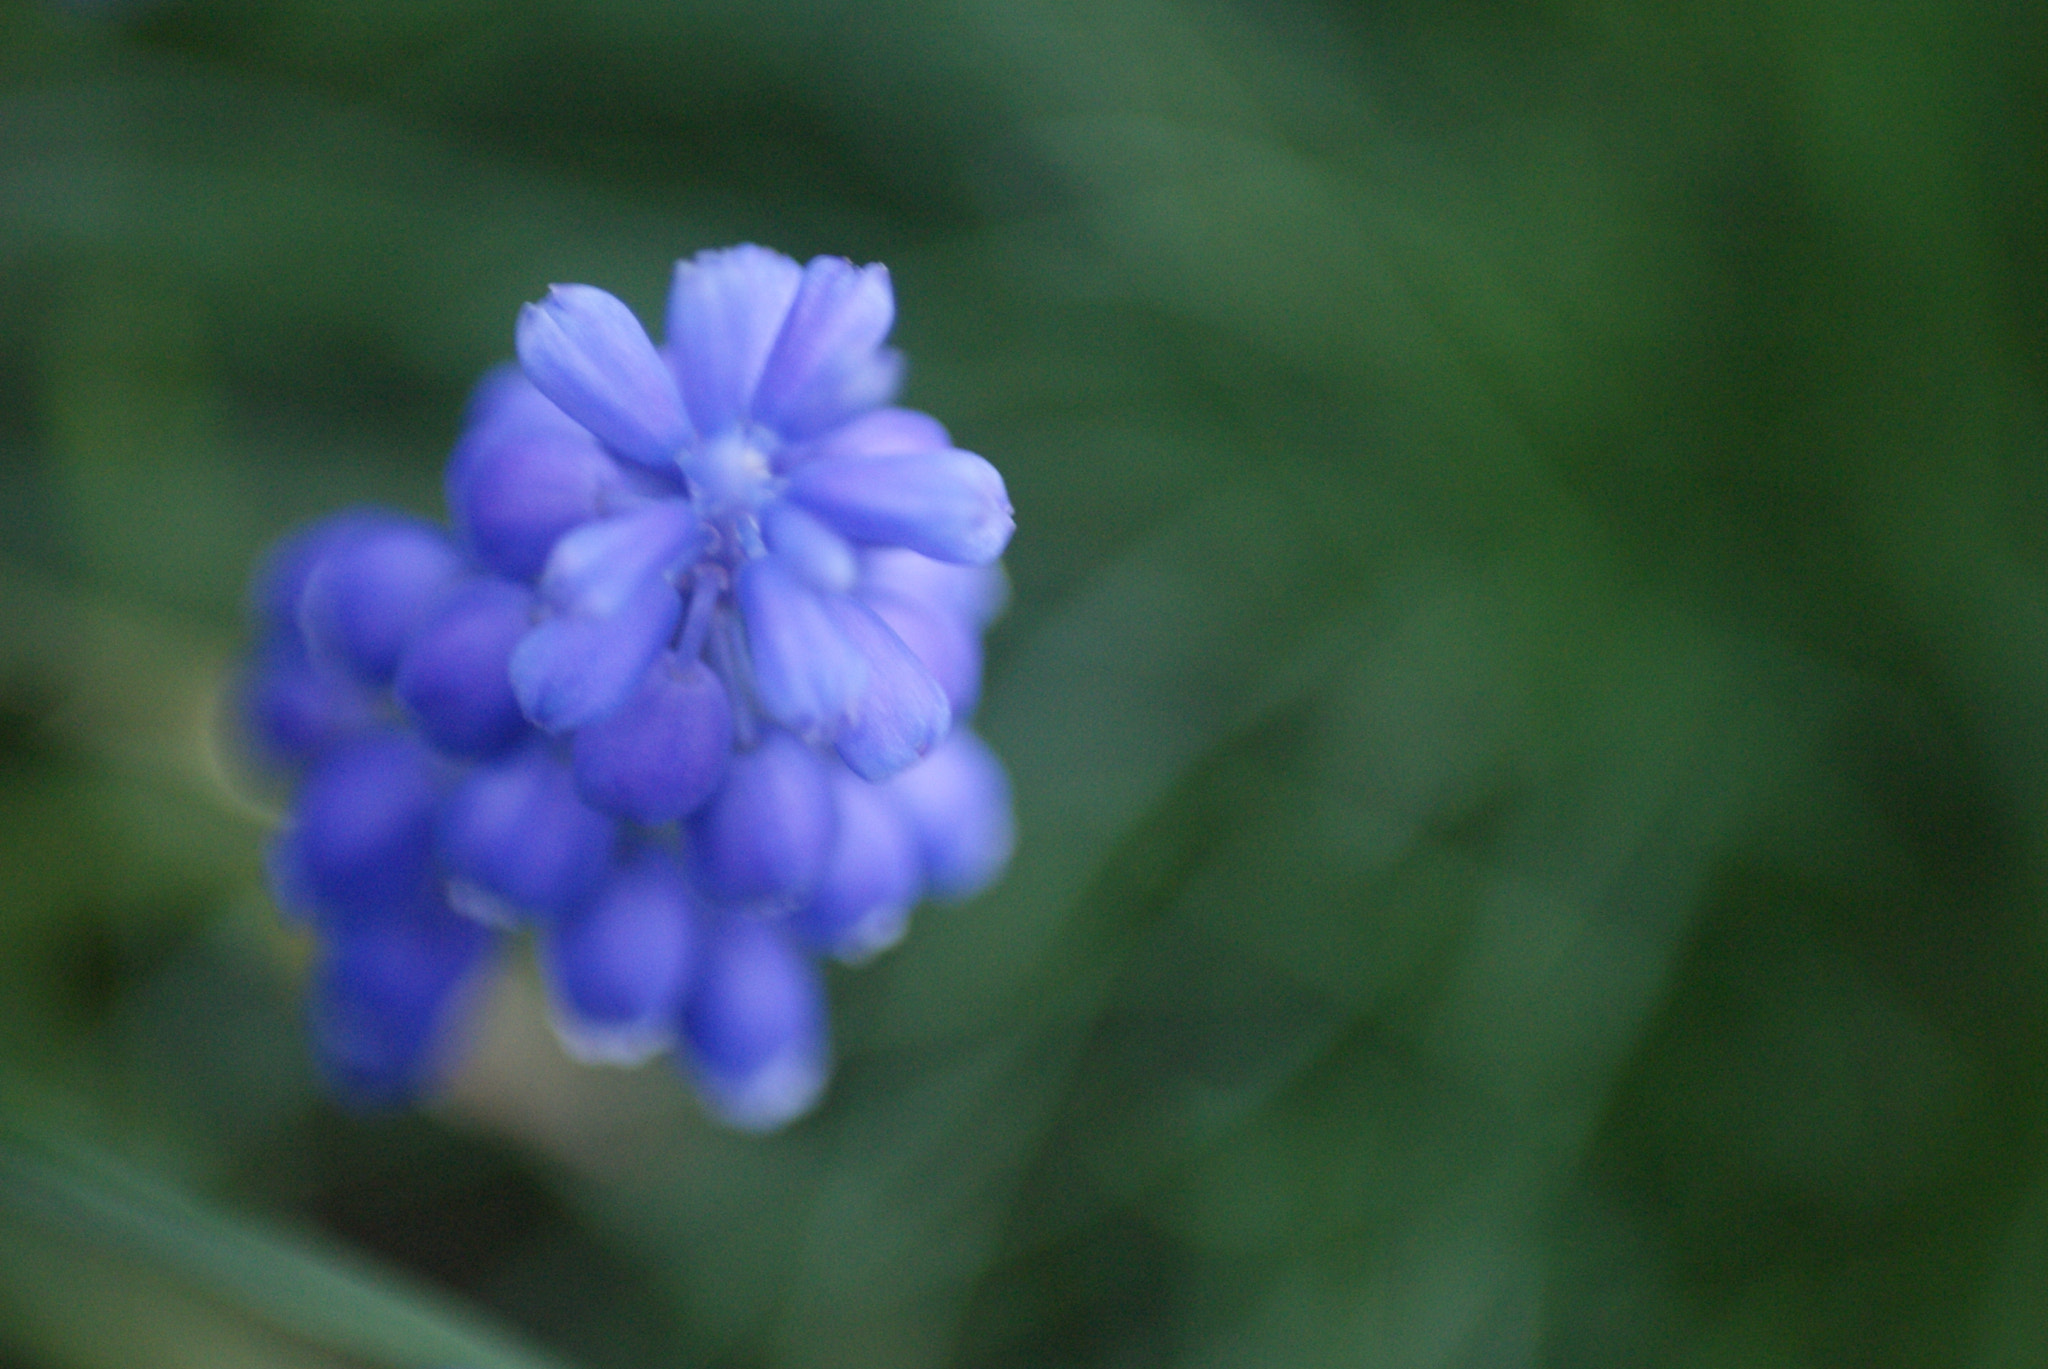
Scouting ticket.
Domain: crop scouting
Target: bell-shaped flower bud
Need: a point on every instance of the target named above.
(452, 680)
(755, 1037)
(872, 877)
(585, 351)
(957, 800)
(291, 711)
(902, 713)
(361, 839)
(383, 1001)
(617, 967)
(949, 505)
(663, 752)
(372, 590)
(524, 473)
(948, 647)
(764, 835)
(516, 830)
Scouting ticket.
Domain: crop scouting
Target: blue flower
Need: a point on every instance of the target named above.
(752, 467)
(683, 698)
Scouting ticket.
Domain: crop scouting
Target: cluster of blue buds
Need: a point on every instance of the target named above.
(683, 693)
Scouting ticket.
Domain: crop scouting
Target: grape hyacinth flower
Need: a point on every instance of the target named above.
(685, 698)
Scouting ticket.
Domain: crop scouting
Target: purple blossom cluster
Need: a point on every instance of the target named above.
(683, 692)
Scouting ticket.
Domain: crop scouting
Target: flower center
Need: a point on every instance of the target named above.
(729, 475)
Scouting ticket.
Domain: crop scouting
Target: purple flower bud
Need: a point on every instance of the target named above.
(584, 350)
(290, 710)
(524, 473)
(377, 584)
(516, 830)
(946, 645)
(617, 968)
(872, 876)
(828, 364)
(383, 997)
(902, 713)
(725, 310)
(957, 801)
(754, 1029)
(282, 572)
(452, 680)
(806, 673)
(950, 505)
(764, 835)
(361, 837)
(662, 753)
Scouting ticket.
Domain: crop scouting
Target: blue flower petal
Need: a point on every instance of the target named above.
(595, 570)
(664, 751)
(524, 473)
(821, 556)
(873, 876)
(950, 505)
(584, 350)
(516, 829)
(974, 595)
(806, 674)
(452, 680)
(574, 669)
(879, 432)
(373, 589)
(957, 800)
(764, 835)
(902, 713)
(725, 310)
(754, 1030)
(828, 364)
(617, 968)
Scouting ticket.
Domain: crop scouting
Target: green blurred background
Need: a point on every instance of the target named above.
(1527, 680)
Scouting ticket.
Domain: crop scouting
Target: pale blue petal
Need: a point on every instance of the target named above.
(572, 670)
(828, 364)
(950, 505)
(584, 350)
(806, 673)
(821, 556)
(595, 570)
(725, 310)
(879, 432)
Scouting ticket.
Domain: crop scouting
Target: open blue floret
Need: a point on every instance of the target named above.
(682, 697)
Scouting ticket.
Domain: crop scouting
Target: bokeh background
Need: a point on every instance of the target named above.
(1526, 682)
